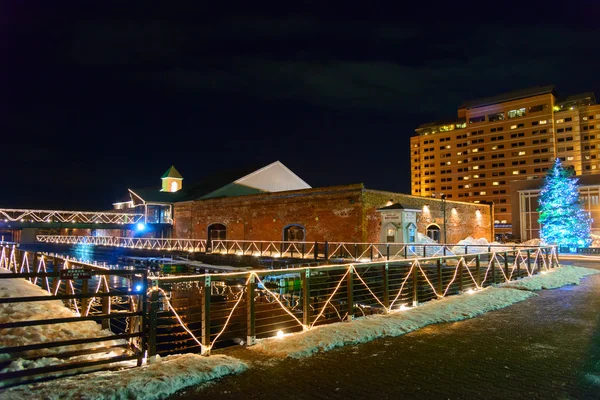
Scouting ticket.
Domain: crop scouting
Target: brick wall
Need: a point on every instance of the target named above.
(462, 222)
(328, 214)
(339, 213)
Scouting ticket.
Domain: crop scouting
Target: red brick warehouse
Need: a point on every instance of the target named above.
(273, 204)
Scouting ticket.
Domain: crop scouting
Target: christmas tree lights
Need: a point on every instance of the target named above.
(562, 219)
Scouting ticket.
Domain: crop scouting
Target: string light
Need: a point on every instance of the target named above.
(519, 258)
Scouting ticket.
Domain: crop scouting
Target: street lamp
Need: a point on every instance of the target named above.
(444, 214)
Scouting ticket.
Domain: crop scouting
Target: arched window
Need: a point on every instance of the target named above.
(216, 232)
(294, 233)
(174, 186)
(433, 232)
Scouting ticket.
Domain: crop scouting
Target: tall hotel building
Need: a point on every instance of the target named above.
(496, 140)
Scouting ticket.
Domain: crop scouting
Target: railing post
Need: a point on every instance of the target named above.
(556, 256)
(250, 316)
(144, 322)
(477, 272)
(105, 306)
(152, 322)
(84, 300)
(316, 250)
(205, 303)
(386, 287)
(405, 251)
(326, 250)
(493, 261)
(350, 286)
(424, 250)
(371, 253)
(415, 285)
(56, 278)
(306, 297)
(506, 264)
(387, 251)
(460, 275)
(33, 264)
(528, 260)
(355, 251)
(439, 273)
(518, 264)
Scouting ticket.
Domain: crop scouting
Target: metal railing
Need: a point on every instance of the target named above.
(116, 299)
(202, 312)
(88, 217)
(343, 251)
(190, 245)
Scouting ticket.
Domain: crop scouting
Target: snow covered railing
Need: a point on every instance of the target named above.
(77, 316)
(201, 312)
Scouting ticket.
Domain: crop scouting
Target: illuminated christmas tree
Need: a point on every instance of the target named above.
(562, 219)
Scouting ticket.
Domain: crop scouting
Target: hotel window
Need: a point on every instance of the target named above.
(560, 121)
(474, 120)
(568, 119)
(496, 117)
(538, 108)
(516, 113)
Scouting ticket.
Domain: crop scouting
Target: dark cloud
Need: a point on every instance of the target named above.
(111, 89)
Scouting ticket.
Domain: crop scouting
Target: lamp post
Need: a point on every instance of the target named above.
(444, 214)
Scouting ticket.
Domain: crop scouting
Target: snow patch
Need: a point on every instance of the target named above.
(327, 337)
(555, 278)
(153, 381)
(40, 310)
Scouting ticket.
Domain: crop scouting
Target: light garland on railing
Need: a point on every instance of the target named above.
(331, 297)
(519, 258)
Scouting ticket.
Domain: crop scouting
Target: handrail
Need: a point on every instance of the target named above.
(47, 216)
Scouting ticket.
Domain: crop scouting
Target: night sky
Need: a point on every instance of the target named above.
(98, 98)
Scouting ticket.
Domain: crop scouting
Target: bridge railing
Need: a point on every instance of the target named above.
(115, 299)
(190, 245)
(340, 251)
(202, 312)
(88, 217)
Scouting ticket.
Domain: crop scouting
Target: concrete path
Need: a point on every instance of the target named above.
(547, 347)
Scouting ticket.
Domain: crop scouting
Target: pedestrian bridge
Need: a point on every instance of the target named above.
(29, 218)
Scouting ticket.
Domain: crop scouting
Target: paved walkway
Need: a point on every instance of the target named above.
(547, 347)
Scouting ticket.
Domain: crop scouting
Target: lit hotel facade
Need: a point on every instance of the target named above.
(498, 140)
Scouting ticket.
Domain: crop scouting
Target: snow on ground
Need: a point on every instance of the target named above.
(12, 312)
(476, 246)
(153, 381)
(449, 309)
(555, 278)
(327, 337)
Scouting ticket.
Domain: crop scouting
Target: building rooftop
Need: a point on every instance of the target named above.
(576, 100)
(441, 126)
(509, 96)
(172, 173)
